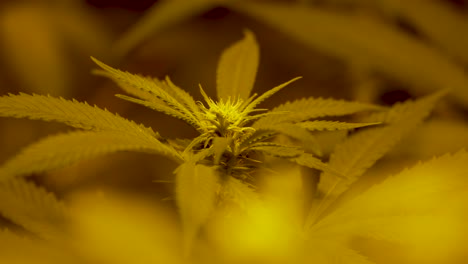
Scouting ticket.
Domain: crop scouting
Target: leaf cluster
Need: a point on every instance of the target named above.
(219, 165)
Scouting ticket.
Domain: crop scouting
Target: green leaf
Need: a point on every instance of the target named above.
(72, 113)
(237, 69)
(256, 137)
(196, 187)
(234, 191)
(320, 125)
(159, 107)
(33, 208)
(64, 149)
(420, 15)
(328, 249)
(308, 108)
(389, 50)
(155, 88)
(14, 247)
(181, 95)
(250, 107)
(152, 101)
(361, 150)
(308, 141)
(160, 16)
(421, 194)
(310, 161)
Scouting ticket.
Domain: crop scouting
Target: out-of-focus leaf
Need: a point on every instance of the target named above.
(442, 24)
(435, 19)
(377, 45)
(234, 191)
(260, 235)
(445, 135)
(429, 195)
(196, 187)
(325, 250)
(110, 228)
(320, 125)
(81, 28)
(33, 208)
(361, 150)
(157, 18)
(16, 249)
(237, 69)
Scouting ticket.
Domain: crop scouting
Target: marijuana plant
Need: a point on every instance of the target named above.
(232, 129)
(220, 164)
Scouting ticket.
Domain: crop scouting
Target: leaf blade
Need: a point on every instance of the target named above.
(64, 149)
(321, 125)
(158, 17)
(308, 108)
(33, 208)
(72, 113)
(360, 151)
(150, 87)
(196, 187)
(414, 195)
(237, 69)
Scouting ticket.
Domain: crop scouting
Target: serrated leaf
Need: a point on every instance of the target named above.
(250, 107)
(200, 140)
(384, 211)
(308, 108)
(161, 15)
(308, 141)
(33, 208)
(72, 113)
(237, 69)
(149, 86)
(158, 107)
(151, 101)
(257, 136)
(64, 149)
(408, 59)
(310, 161)
(181, 95)
(196, 187)
(320, 125)
(142, 94)
(361, 150)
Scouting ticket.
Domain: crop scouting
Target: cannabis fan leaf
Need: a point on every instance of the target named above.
(388, 210)
(360, 151)
(32, 207)
(219, 163)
